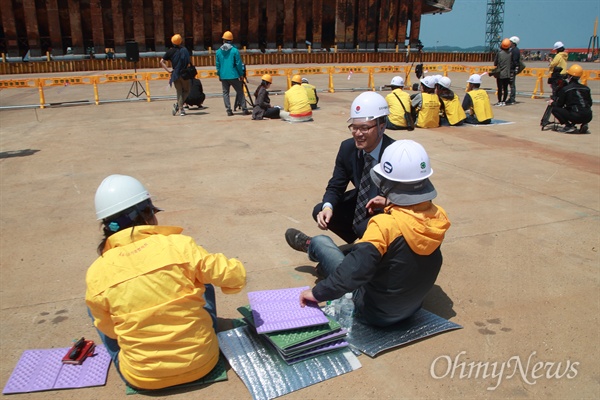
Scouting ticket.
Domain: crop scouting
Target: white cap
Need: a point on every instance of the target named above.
(558, 45)
(397, 81)
(515, 39)
(445, 82)
(403, 174)
(369, 105)
(117, 193)
(475, 78)
(428, 81)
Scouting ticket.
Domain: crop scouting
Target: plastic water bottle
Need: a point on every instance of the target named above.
(346, 316)
(337, 304)
(329, 309)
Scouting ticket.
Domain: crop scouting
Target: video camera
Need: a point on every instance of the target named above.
(557, 81)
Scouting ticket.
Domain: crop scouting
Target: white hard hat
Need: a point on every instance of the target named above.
(436, 78)
(369, 105)
(515, 39)
(445, 82)
(117, 193)
(403, 172)
(404, 161)
(475, 78)
(304, 80)
(428, 81)
(397, 81)
(558, 45)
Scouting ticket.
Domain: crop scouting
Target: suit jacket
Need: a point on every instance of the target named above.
(348, 168)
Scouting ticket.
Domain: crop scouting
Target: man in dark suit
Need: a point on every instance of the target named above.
(339, 211)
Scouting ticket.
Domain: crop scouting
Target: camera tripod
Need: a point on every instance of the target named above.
(136, 89)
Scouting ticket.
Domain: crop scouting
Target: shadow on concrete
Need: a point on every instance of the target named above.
(17, 153)
(438, 302)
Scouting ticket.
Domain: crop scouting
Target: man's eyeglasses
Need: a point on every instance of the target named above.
(364, 129)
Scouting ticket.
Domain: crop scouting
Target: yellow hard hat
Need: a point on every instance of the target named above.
(176, 39)
(505, 43)
(227, 35)
(297, 79)
(267, 78)
(575, 70)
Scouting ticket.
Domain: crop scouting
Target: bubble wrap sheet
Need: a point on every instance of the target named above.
(43, 369)
(372, 341)
(267, 376)
(278, 310)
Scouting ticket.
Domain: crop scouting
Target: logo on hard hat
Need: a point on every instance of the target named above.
(357, 109)
(423, 165)
(387, 167)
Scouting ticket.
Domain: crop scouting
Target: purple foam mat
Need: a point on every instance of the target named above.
(43, 369)
(279, 310)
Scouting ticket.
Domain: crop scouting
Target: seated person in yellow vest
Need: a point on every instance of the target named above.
(452, 111)
(477, 102)
(262, 105)
(296, 107)
(398, 103)
(426, 105)
(311, 91)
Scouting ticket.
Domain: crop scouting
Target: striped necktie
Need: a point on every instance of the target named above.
(360, 212)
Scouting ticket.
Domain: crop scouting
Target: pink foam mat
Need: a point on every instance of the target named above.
(42, 369)
(279, 310)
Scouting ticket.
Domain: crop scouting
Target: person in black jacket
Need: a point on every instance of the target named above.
(196, 96)
(515, 61)
(340, 210)
(574, 103)
(179, 57)
(262, 105)
(397, 261)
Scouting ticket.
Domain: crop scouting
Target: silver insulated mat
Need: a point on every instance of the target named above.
(267, 376)
(372, 341)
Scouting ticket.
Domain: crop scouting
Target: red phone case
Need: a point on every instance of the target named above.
(86, 350)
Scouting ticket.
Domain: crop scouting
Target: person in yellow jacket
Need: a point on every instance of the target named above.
(452, 111)
(311, 92)
(399, 104)
(477, 102)
(426, 104)
(150, 292)
(296, 107)
(560, 59)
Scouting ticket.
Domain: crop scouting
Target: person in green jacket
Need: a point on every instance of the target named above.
(231, 72)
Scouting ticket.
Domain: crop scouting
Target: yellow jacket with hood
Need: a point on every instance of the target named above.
(559, 60)
(146, 291)
(393, 266)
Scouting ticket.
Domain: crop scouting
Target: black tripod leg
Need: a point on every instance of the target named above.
(249, 99)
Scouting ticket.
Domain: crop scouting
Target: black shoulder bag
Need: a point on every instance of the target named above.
(407, 116)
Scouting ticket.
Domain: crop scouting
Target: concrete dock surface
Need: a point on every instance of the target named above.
(521, 263)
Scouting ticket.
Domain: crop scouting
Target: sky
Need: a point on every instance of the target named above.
(538, 23)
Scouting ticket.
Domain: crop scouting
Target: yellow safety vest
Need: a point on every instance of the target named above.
(454, 111)
(396, 115)
(310, 92)
(429, 114)
(481, 105)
